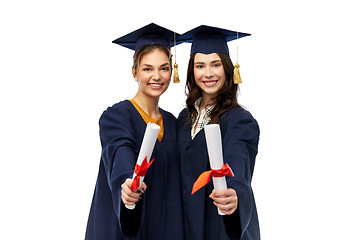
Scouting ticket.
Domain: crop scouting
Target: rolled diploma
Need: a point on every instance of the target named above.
(214, 147)
(146, 149)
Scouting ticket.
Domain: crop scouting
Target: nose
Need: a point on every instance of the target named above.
(156, 76)
(208, 72)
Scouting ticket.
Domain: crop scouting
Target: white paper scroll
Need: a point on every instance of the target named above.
(214, 147)
(146, 149)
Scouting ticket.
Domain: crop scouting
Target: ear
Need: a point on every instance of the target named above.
(134, 74)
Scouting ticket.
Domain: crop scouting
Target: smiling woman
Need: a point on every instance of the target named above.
(211, 67)
(153, 74)
(212, 98)
(209, 74)
(158, 209)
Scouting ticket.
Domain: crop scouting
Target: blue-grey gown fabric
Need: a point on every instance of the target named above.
(159, 214)
(240, 136)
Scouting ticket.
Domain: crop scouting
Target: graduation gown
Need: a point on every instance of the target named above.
(240, 136)
(158, 215)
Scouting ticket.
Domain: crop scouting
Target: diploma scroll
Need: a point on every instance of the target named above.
(214, 147)
(146, 149)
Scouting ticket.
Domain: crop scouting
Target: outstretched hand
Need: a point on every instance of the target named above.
(127, 196)
(226, 200)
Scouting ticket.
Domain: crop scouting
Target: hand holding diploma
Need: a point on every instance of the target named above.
(129, 197)
(226, 200)
(143, 162)
(218, 172)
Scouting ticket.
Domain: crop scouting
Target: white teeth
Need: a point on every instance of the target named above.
(210, 84)
(155, 84)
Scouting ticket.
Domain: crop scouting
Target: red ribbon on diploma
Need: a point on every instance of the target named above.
(140, 171)
(205, 177)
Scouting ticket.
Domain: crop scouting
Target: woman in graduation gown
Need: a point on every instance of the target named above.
(158, 211)
(212, 98)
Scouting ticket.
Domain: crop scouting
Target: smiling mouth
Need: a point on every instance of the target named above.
(155, 85)
(210, 83)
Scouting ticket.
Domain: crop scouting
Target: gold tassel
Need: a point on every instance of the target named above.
(237, 78)
(176, 74)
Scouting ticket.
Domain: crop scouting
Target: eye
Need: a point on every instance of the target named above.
(146, 69)
(217, 65)
(165, 69)
(199, 66)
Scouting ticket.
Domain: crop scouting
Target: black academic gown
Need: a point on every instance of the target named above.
(159, 214)
(240, 136)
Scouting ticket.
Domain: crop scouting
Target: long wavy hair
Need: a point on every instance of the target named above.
(226, 98)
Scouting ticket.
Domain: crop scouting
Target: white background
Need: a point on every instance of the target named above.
(59, 71)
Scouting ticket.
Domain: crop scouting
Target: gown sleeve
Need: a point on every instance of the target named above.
(119, 153)
(240, 142)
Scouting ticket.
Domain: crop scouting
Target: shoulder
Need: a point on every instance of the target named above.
(118, 122)
(184, 112)
(238, 114)
(183, 118)
(183, 115)
(120, 106)
(117, 112)
(239, 119)
(168, 115)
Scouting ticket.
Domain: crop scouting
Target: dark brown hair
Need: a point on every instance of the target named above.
(149, 48)
(226, 97)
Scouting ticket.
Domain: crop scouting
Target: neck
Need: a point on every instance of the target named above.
(148, 104)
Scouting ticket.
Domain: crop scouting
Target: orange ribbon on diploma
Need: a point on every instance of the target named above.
(140, 171)
(205, 177)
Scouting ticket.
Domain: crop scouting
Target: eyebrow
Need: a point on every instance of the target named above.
(149, 65)
(210, 62)
(165, 64)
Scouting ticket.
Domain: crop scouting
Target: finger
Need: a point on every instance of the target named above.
(220, 193)
(225, 192)
(127, 194)
(227, 211)
(224, 200)
(129, 200)
(143, 187)
(211, 194)
(131, 194)
(224, 205)
(225, 208)
(128, 182)
(225, 196)
(127, 187)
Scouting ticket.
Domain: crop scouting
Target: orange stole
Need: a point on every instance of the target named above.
(148, 119)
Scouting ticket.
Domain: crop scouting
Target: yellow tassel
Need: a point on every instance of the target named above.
(176, 74)
(237, 78)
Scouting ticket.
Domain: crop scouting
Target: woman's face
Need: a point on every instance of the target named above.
(209, 74)
(154, 73)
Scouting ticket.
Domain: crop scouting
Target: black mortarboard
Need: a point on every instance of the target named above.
(147, 35)
(207, 39)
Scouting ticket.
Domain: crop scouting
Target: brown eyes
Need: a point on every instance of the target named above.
(162, 69)
(200, 66)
